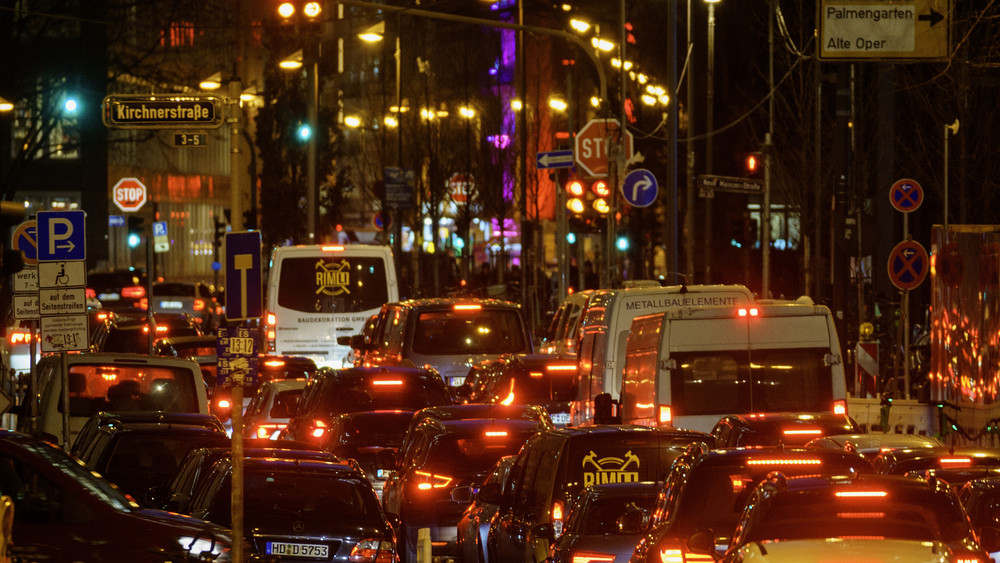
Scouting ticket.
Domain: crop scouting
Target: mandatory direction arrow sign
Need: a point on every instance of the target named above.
(554, 159)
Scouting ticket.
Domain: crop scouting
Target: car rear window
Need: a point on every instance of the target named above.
(462, 452)
(174, 290)
(487, 331)
(618, 459)
(122, 388)
(386, 394)
(332, 284)
(382, 429)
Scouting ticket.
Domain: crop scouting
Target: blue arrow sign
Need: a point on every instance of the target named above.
(639, 188)
(243, 276)
(61, 235)
(554, 159)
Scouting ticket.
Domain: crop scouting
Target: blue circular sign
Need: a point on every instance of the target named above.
(25, 239)
(906, 195)
(908, 264)
(639, 188)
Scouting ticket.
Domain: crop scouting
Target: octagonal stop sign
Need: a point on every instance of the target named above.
(594, 141)
(129, 194)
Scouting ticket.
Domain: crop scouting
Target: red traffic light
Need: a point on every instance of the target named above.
(600, 187)
(575, 188)
(753, 163)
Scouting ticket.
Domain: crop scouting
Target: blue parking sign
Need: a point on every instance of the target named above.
(61, 235)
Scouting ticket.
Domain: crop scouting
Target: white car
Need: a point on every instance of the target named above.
(835, 549)
(272, 407)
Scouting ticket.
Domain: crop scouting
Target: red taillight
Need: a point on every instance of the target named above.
(332, 248)
(748, 312)
(557, 510)
(267, 429)
(432, 480)
(802, 432)
(274, 363)
(372, 551)
(143, 303)
(134, 292)
(162, 329)
(955, 461)
(678, 556)
(392, 382)
(90, 294)
(271, 319)
(590, 557)
(665, 415)
(19, 337)
(224, 403)
(786, 461)
(496, 433)
(861, 494)
(560, 367)
(840, 407)
(199, 304)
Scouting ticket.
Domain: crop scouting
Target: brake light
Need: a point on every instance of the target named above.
(953, 461)
(748, 312)
(224, 403)
(861, 494)
(534, 374)
(467, 307)
(557, 510)
(432, 480)
(274, 363)
(103, 316)
(199, 304)
(372, 551)
(840, 407)
(143, 303)
(387, 382)
(134, 292)
(588, 557)
(265, 430)
(162, 329)
(19, 337)
(785, 461)
(319, 429)
(803, 432)
(332, 248)
(560, 367)
(496, 433)
(665, 415)
(271, 319)
(678, 556)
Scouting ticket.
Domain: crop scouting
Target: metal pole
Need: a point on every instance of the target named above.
(765, 211)
(522, 126)
(672, 218)
(236, 497)
(64, 397)
(312, 109)
(709, 125)
(689, 206)
(397, 239)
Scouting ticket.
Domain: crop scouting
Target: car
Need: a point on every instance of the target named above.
(109, 382)
(605, 521)
(119, 290)
(361, 436)
(199, 461)
(440, 455)
(63, 511)
(547, 380)
(482, 410)
(272, 407)
(300, 509)
(269, 368)
(564, 331)
(194, 298)
(981, 500)
(872, 444)
(776, 428)
(449, 334)
(102, 418)
(334, 392)
(124, 333)
(956, 465)
(201, 349)
(707, 489)
(474, 525)
(787, 517)
(555, 465)
(141, 457)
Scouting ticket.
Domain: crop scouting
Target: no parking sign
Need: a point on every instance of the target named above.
(908, 264)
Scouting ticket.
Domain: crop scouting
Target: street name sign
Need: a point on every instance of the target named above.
(190, 140)
(886, 30)
(708, 184)
(162, 111)
(554, 159)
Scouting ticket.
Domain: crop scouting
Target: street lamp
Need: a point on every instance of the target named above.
(6, 105)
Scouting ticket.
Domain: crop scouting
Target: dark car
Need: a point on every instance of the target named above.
(474, 525)
(334, 392)
(981, 500)
(440, 455)
(194, 298)
(779, 428)
(123, 333)
(119, 290)
(64, 512)
(99, 420)
(199, 461)
(605, 522)
(872, 444)
(707, 490)
(301, 509)
(789, 516)
(361, 436)
(141, 457)
(546, 380)
(555, 465)
(956, 465)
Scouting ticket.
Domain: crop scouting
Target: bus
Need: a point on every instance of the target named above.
(317, 294)
(688, 368)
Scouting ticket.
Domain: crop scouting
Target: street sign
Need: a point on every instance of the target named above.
(594, 143)
(26, 280)
(160, 241)
(236, 349)
(243, 276)
(554, 159)
(908, 264)
(167, 111)
(901, 29)
(26, 306)
(62, 301)
(129, 194)
(460, 185)
(61, 235)
(639, 188)
(62, 274)
(399, 193)
(382, 220)
(707, 184)
(906, 195)
(25, 239)
(190, 140)
(116, 220)
(64, 333)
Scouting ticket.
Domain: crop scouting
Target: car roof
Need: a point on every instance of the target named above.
(876, 441)
(363, 373)
(919, 458)
(739, 456)
(111, 358)
(163, 417)
(298, 466)
(479, 425)
(585, 432)
(481, 410)
(443, 302)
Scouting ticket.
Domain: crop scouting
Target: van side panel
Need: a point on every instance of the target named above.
(638, 395)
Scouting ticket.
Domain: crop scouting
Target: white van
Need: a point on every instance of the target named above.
(689, 367)
(318, 293)
(606, 322)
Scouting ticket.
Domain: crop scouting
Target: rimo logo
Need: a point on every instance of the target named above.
(610, 469)
(332, 278)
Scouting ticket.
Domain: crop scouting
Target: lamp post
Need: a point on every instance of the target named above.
(709, 125)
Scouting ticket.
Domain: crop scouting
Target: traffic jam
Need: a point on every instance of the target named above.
(330, 420)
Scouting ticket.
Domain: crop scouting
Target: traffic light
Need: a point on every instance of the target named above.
(220, 231)
(587, 201)
(136, 227)
(300, 11)
(753, 164)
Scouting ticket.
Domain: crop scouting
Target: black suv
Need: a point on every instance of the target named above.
(119, 290)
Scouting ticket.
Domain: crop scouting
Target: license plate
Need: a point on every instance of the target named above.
(297, 550)
(171, 305)
(108, 297)
(560, 418)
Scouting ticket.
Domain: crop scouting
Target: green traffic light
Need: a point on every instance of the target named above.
(304, 132)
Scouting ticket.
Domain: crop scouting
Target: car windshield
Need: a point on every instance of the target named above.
(901, 514)
(486, 331)
(332, 284)
(136, 339)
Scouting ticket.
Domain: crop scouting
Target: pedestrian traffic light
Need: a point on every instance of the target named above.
(136, 226)
(753, 163)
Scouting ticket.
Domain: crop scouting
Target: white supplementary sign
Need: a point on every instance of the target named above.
(62, 301)
(64, 333)
(71, 273)
(26, 306)
(891, 29)
(26, 280)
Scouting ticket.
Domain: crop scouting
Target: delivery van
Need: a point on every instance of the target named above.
(689, 367)
(318, 293)
(607, 320)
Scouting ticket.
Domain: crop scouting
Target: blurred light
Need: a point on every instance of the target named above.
(622, 243)
(602, 44)
(649, 100)
(515, 105)
(595, 101)
(655, 90)
(600, 187)
(373, 33)
(213, 82)
(575, 205)
(442, 112)
(600, 205)
(390, 121)
(352, 121)
(304, 131)
(312, 10)
(664, 99)
(571, 238)
(286, 9)
(579, 25)
(575, 187)
(642, 78)
(70, 105)
(426, 114)
(5, 105)
(466, 112)
(557, 104)
(292, 62)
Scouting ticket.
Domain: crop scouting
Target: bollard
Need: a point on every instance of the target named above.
(424, 545)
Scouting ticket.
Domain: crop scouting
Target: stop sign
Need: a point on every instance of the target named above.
(592, 144)
(129, 194)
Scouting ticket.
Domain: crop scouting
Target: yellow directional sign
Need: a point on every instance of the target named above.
(884, 30)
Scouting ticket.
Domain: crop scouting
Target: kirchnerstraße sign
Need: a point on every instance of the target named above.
(162, 111)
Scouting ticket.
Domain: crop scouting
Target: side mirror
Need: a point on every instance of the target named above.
(385, 460)
(702, 542)
(344, 340)
(489, 493)
(358, 342)
(464, 494)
